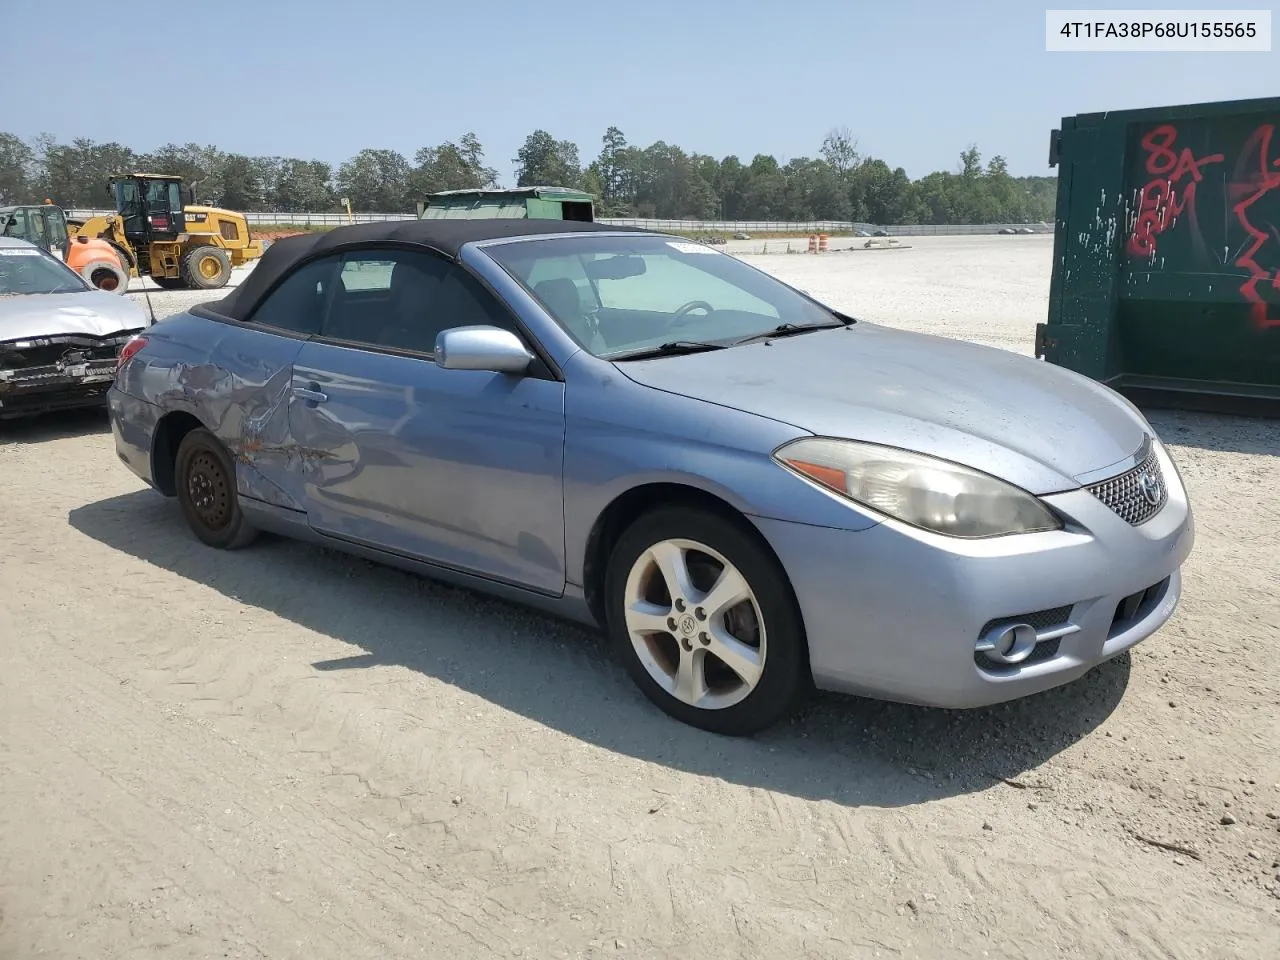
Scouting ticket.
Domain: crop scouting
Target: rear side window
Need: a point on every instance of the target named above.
(367, 273)
(297, 304)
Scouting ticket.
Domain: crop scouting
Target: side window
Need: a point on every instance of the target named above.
(297, 304)
(403, 299)
(18, 225)
(57, 229)
(367, 274)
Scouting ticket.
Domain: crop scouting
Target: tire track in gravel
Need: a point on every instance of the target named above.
(337, 857)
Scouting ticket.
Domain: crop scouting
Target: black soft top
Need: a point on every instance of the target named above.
(445, 237)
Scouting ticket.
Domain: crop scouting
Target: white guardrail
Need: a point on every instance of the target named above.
(681, 226)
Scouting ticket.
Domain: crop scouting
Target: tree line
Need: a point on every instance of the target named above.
(658, 181)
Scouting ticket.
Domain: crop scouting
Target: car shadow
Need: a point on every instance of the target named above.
(56, 425)
(846, 750)
(1216, 431)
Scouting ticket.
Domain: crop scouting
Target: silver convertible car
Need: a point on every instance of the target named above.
(751, 492)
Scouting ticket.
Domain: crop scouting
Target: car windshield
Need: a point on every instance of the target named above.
(620, 296)
(28, 270)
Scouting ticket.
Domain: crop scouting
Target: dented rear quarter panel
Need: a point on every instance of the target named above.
(235, 381)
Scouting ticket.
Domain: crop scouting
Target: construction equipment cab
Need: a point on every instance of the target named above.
(44, 225)
(152, 206)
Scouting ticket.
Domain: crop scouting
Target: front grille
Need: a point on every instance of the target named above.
(1136, 606)
(1136, 495)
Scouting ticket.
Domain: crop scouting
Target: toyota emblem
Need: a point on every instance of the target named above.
(1149, 484)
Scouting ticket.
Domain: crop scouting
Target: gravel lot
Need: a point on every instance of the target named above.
(287, 753)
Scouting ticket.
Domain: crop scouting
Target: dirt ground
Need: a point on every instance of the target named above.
(285, 753)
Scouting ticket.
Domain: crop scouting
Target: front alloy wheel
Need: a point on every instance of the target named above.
(695, 624)
(705, 621)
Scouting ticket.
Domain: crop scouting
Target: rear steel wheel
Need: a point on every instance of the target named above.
(208, 489)
(206, 482)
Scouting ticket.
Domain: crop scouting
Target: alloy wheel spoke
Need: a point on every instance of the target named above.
(729, 590)
(691, 676)
(645, 618)
(742, 659)
(673, 564)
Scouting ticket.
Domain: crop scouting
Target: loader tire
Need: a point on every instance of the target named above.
(206, 268)
(105, 275)
(124, 257)
(169, 283)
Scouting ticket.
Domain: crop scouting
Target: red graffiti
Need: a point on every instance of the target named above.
(1250, 186)
(1159, 204)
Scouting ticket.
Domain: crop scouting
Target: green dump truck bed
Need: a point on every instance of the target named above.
(1166, 258)
(537, 203)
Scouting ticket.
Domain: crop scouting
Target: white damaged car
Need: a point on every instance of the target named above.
(59, 337)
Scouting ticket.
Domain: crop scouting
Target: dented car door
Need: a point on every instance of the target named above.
(244, 387)
(458, 467)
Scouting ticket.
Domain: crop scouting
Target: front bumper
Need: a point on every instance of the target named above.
(57, 372)
(45, 389)
(896, 613)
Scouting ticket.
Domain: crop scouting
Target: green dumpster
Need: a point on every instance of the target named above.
(537, 203)
(1166, 254)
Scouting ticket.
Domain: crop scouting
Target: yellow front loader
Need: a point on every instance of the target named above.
(161, 233)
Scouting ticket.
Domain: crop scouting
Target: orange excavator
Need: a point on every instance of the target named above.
(99, 262)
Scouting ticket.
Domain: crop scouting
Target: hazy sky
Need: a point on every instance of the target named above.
(916, 81)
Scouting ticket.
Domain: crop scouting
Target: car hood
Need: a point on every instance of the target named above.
(95, 313)
(1031, 423)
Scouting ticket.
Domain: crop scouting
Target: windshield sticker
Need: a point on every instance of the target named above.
(19, 252)
(685, 246)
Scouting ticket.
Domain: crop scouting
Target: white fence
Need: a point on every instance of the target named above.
(680, 226)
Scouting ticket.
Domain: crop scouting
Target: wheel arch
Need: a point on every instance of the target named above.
(170, 429)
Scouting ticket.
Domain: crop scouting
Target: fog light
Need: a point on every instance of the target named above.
(1008, 643)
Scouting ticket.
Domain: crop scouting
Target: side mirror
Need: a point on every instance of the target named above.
(482, 348)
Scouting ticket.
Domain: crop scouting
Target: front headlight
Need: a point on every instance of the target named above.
(932, 494)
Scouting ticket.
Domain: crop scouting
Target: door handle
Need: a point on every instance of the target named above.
(313, 396)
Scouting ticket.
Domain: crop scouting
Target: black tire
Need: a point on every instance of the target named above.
(785, 673)
(205, 478)
(196, 269)
(170, 283)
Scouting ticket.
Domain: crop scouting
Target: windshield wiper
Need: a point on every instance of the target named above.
(789, 330)
(670, 349)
